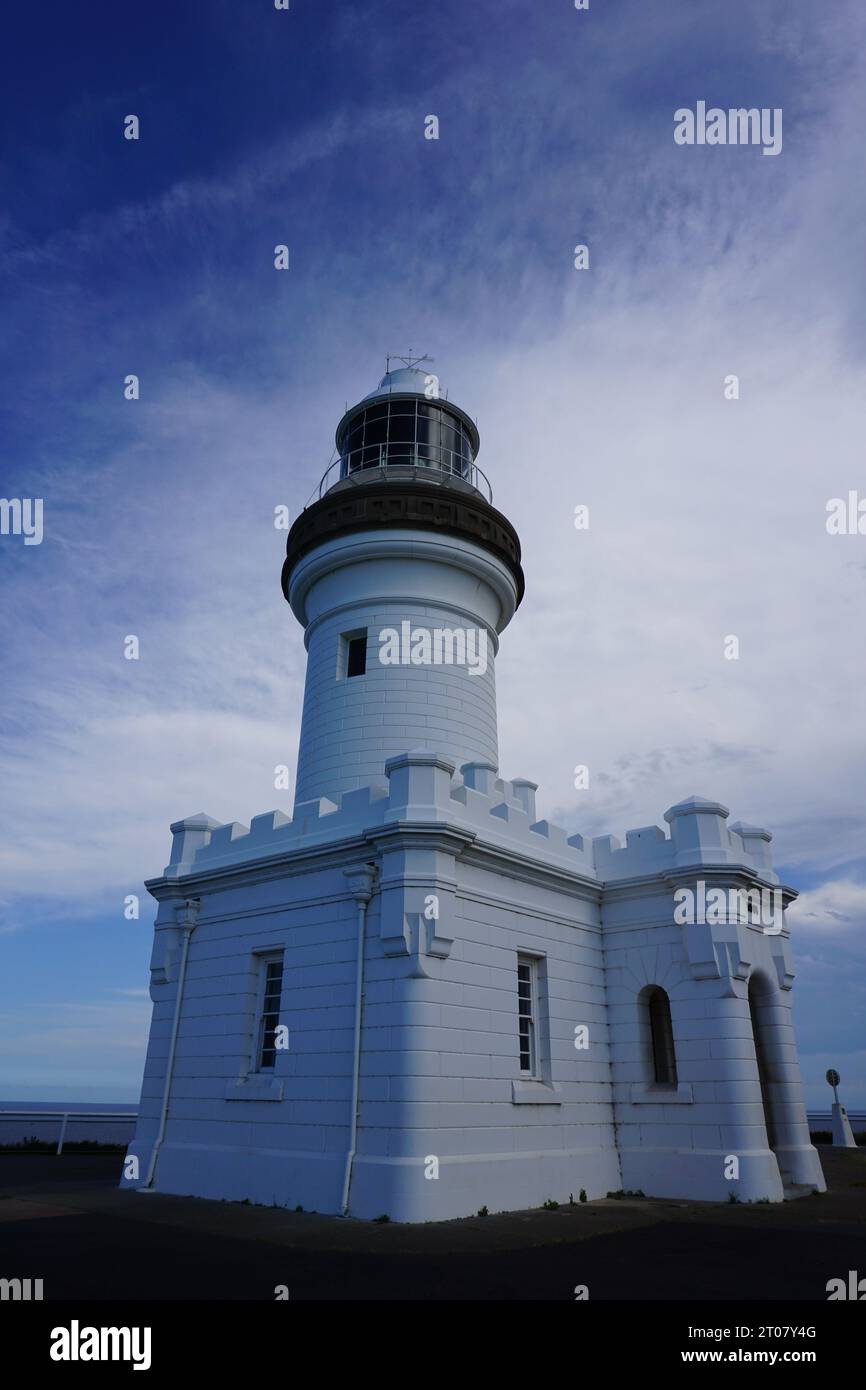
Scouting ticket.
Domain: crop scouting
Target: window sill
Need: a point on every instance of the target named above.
(535, 1093)
(254, 1087)
(661, 1095)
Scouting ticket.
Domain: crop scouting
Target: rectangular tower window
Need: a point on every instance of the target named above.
(269, 1010)
(352, 657)
(357, 661)
(527, 1014)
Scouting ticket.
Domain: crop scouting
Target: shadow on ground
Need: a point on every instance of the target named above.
(63, 1220)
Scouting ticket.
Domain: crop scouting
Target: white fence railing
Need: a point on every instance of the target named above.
(822, 1119)
(63, 1117)
(119, 1124)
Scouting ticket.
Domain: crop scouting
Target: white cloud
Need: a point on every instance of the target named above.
(98, 1033)
(604, 388)
(836, 906)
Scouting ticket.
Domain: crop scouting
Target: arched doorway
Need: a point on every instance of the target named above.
(761, 1009)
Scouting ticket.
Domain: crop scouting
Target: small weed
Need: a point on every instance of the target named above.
(550, 1205)
(583, 1194)
(381, 1220)
(482, 1211)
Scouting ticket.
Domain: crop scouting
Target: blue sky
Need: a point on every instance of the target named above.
(603, 387)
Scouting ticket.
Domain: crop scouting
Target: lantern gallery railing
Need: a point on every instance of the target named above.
(354, 468)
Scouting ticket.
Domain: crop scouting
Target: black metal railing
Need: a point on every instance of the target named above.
(358, 467)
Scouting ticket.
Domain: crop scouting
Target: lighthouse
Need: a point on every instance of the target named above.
(404, 544)
(408, 993)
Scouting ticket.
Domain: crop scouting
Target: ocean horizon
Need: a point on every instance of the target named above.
(43, 1121)
(70, 1106)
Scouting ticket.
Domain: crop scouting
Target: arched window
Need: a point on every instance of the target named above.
(662, 1038)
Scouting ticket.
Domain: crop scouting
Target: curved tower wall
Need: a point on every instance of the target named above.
(377, 581)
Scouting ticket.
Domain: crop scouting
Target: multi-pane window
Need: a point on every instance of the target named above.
(270, 1011)
(409, 432)
(527, 1014)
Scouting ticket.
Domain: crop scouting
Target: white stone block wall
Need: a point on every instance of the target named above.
(456, 1052)
(373, 580)
(676, 1143)
(351, 726)
(289, 1148)
(440, 1075)
(440, 1056)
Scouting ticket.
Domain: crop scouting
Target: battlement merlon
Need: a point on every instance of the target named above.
(188, 836)
(699, 837)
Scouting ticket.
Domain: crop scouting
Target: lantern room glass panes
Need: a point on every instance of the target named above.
(407, 432)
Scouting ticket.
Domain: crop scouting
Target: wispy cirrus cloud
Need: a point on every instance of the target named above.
(834, 906)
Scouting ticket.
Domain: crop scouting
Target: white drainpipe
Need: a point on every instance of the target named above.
(187, 917)
(361, 887)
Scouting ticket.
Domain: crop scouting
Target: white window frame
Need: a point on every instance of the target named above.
(529, 964)
(265, 959)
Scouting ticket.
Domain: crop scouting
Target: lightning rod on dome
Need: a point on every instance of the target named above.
(408, 361)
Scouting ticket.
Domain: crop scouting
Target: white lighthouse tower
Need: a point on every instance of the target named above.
(405, 541)
(414, 997)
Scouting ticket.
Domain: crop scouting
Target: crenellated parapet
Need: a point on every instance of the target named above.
(424, 787)
(699, 837)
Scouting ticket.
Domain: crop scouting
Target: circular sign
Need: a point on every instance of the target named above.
(833, 1077)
